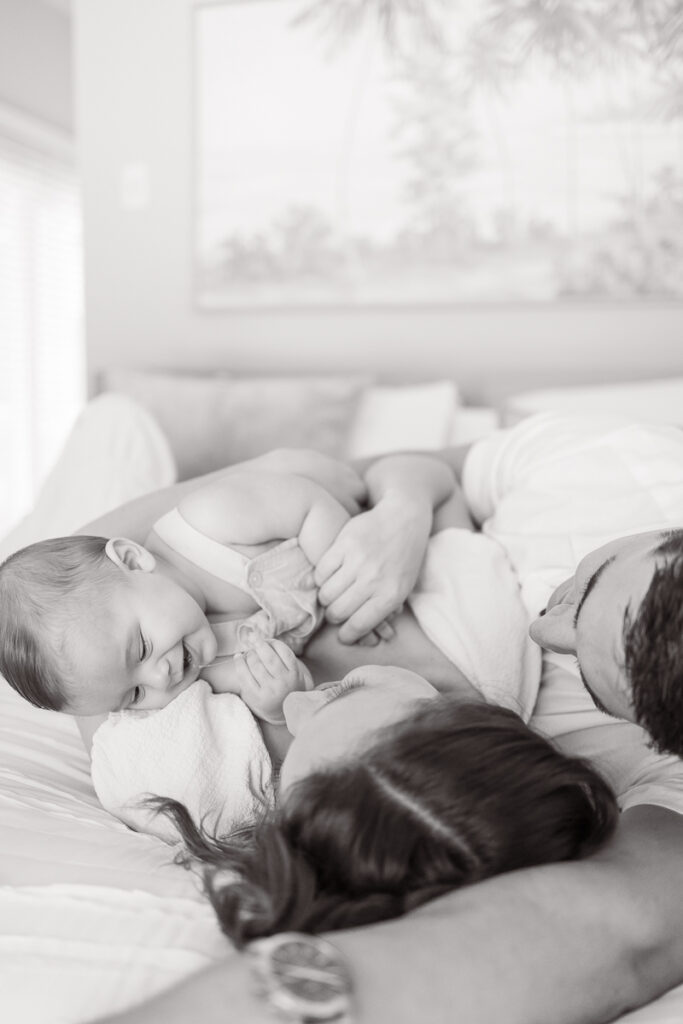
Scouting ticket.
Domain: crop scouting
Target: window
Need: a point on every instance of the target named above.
(42, 360)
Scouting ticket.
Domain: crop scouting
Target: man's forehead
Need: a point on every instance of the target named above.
(620, 582)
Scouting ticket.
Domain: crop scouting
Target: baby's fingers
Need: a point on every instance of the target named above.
(275, 656)
(254, 667)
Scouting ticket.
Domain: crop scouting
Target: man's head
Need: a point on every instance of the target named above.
(88, 626)
(621, 615)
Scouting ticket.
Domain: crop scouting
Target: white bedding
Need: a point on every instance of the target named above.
(93, 917)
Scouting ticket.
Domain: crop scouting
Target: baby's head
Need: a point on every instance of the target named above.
(45, 590)
(90, 625)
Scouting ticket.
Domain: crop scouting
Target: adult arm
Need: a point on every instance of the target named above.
(453, 456)
(387, 554)
(575, 943)
(373, 565)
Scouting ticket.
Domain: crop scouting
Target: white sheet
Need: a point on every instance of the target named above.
(93, 917)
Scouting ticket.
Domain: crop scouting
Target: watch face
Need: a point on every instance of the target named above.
(302, 976)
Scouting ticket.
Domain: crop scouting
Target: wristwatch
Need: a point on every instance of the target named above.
(302, 977)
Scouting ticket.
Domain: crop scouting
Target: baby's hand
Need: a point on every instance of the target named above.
(266, 674)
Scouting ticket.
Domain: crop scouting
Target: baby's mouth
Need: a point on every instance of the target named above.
(188, 658)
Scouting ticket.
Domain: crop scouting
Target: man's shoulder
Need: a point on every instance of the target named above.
(550, 434)
(620, 750)
(549, 458)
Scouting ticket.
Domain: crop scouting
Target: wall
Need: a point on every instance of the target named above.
(134, 106)
(35, 61)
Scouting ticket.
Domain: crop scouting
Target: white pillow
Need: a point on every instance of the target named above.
(654, 401)
(403, 417)
(213, 420)
(115, 452)
(470, 423)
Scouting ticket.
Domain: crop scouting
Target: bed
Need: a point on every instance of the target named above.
(94, 917)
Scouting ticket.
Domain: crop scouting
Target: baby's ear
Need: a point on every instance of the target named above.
(126, 554)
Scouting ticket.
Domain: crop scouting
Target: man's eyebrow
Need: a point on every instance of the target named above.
(589, 586)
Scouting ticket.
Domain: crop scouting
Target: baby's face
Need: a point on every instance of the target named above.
(138, 647)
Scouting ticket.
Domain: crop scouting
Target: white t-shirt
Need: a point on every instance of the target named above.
(550, 490)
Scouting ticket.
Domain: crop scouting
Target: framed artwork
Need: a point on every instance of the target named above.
(362, 152)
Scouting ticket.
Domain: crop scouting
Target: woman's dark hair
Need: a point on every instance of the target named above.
(452, 795)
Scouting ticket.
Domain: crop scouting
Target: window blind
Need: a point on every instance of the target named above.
(42, 358)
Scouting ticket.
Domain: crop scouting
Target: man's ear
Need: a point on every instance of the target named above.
(126, 554)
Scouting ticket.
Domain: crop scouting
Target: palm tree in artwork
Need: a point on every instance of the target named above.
(387, 22)
(344, 19)
(567, 34)
(487, 70)
(436, 140)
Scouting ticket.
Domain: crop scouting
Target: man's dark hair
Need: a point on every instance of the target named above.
(653, 649)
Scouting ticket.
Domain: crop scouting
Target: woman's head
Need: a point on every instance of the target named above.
(337, 720)
(449, 795)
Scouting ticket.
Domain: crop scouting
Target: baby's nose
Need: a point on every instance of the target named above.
(161, 673)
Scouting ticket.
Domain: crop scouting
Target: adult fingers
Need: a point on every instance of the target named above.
(348, 603)
(336, 585)
(362, 621)
(385, 630)
(330, 561)
(369, 640)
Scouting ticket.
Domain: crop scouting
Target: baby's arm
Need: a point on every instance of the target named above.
(250, 508)
(336, 477)
(262, 677)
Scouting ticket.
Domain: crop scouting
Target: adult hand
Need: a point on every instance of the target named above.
(372, 566)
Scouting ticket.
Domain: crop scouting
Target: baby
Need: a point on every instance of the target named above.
(91, 626)
(213, 608)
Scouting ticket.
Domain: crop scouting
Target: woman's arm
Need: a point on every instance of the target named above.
(573, 943)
